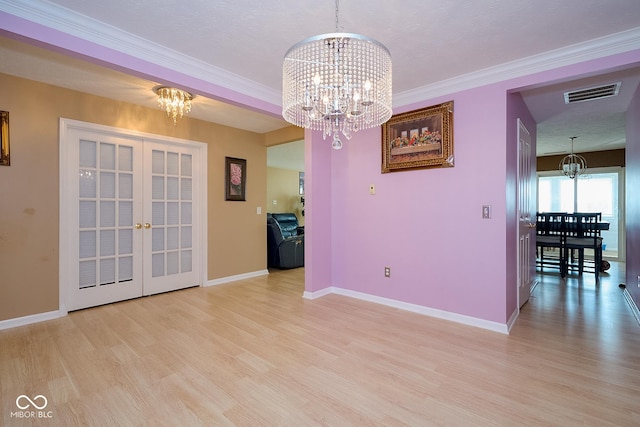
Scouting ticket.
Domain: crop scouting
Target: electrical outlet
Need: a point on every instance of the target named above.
(639, 280)
(387, 272)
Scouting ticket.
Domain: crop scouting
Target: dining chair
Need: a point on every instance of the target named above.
(582, 233)
(549, 235)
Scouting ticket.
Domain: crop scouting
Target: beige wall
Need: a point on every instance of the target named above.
(282, 186)
(29, 194)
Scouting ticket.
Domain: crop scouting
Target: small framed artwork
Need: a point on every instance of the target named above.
(419, 139)
(5, 159)
(235, 182)
(301, 183)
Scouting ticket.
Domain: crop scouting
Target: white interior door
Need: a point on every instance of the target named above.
(170, 263)
(107, 191)
(132, 215)
(526, 220)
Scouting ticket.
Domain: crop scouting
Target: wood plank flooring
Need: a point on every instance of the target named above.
(255, 353)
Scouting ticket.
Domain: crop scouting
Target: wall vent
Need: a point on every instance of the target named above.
(592, 93)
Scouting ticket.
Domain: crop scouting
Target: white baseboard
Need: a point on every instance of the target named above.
(237, 277)
(28, 320)
(414, 308)
(632, 305)
(317, 294)
(512, 320)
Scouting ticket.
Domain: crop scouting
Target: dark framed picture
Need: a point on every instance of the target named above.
(235, 182)
(5, 159)
(419, 139)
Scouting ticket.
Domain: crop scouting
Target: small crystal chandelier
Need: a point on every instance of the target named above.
(573, 165)
(174, 101)
(338, 83)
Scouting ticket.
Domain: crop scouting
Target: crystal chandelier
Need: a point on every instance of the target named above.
(338, 83)
(174, 101)
(573, 165)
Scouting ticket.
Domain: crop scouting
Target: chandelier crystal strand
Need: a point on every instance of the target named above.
(337, 83)
(174, 101)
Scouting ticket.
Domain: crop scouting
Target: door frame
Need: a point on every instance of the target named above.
(65, 202)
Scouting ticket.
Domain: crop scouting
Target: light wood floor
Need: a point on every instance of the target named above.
(256, 353)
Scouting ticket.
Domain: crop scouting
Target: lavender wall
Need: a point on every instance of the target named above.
(426, 224)
(516, 109)
(632, 160)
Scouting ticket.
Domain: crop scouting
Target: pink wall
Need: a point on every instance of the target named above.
(632, 160)
(426, 224)
(317, 188)
(516, 109)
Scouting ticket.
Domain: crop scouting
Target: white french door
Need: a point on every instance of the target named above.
(169, 237)
(131, 215)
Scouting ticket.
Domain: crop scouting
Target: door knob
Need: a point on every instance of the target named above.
(147, 225)
(138, 226)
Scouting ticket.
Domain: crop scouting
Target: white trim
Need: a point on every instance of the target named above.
(78, 25)
(414, 308)
(632, 305)
(73, 23)
(228, 279)
(64, 241)
(512, 320)
(621, 42)
(317, 294)
(28, 320)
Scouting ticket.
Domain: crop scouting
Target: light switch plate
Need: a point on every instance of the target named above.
(486, 211)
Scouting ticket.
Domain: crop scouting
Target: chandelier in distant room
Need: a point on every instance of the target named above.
(338, 83)
(573, 165)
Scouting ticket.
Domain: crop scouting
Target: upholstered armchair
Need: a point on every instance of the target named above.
(285, 241)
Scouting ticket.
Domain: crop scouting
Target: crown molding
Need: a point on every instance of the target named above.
(72, 23)
(78, 25)
(624, 41)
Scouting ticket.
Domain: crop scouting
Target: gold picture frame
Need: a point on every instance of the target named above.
(419, 139)
(5, 158)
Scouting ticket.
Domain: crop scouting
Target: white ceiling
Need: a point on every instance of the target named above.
(435, 45)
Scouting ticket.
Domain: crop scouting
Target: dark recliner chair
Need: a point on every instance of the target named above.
(285, 241)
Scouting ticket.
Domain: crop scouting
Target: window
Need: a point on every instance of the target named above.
(598, 191)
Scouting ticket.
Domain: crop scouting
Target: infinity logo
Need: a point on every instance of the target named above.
(30, 402)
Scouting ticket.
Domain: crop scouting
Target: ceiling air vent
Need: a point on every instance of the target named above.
(592, 93)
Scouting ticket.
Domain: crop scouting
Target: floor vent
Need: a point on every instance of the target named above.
(592, 93)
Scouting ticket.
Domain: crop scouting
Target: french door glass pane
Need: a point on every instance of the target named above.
(106, 213)
(172, 212)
